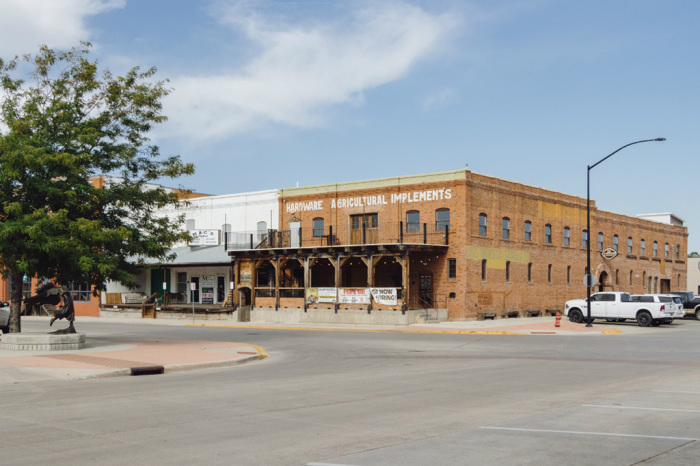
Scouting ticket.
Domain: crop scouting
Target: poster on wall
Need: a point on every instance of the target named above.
(246, 273)
(353, 295)
(207, 283)
(321, 295)
(384, 296)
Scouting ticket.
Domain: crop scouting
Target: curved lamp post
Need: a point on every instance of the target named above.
(589, 275)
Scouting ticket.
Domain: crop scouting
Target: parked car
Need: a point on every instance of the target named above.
(691, 303)
(4, 317)
(618, 306)
(672, 302)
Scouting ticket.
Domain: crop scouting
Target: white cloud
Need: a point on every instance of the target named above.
(26, 24)
(301, 71)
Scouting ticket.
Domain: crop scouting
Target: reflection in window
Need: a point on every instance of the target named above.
(442, 219)
(318, 227)
(506, 228)
(412, 221)
(482, 224)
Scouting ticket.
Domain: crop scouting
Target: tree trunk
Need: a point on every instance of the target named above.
(16, 281)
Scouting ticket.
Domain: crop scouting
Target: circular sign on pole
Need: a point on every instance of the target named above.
(588, 278)
(608, 253)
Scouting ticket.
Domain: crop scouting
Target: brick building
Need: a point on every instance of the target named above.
(458, 242)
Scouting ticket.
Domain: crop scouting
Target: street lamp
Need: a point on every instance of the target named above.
(589, 275)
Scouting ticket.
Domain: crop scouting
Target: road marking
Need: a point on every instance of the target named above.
(676, 391)
(643, 408)
(602, 434)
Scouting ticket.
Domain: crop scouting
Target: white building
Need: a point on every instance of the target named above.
(201, 270)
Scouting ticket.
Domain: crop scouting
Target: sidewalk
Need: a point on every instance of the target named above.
(111, 355)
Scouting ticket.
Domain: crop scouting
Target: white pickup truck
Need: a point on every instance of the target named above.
(617, 306)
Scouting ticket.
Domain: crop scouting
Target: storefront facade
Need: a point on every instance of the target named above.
(467, 244)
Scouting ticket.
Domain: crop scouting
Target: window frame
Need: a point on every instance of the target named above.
(483, 224)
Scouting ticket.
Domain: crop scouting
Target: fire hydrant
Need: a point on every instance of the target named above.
(557, 320)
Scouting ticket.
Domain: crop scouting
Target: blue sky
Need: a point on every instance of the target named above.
(270, 94)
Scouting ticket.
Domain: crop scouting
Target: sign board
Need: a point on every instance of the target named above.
(204, 237)
(588, 278)
(608, 253)
(384, 295)
(321, 295)
(208, 289)
(353, 295)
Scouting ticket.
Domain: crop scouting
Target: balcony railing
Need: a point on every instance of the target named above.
(385, 233)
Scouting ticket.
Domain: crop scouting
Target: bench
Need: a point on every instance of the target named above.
(510, 314)
(532, 313)
(486, 315)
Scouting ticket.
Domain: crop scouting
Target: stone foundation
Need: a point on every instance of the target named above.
(42, 341)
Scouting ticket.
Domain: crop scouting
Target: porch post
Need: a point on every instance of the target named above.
(405, 257)
(277, 282)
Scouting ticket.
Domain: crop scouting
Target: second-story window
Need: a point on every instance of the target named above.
(666, 250)
(442, 219)
(641, 247)
(548, 234)
(318, 227)
(616, 242)
(656, 249)
(629, 245)
(506, 228)
(600, 240)
(584, 239)
(482, 224)
(678, 251)
(528, 230)
(412, 221)
(567, 236)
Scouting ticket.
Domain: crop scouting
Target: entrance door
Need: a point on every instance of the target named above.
(665, 286)
(294, 240)
(157, 279)
(426, 291)
(364, 229)
(194, 295)
(220, 289)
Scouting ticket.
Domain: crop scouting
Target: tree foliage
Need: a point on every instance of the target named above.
(62, 128)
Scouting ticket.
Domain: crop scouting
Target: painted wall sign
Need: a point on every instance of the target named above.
(205, 237)
(369, 201)
(496, 258)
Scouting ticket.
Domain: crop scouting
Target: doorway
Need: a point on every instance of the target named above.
(425, 295)
(364, 229)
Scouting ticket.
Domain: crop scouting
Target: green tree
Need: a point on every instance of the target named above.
(62, 127)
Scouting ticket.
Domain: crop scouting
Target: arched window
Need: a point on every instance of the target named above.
(616, 242)
(567, 236)
(631, 273)
(678, 251)
(483, 270)
(568, 275)
(600, 240)
(629, 245)
(549, 274)
(508, 271)
(412, 221)
(528, 230)
(548, 234)
(642, 245)
(584, 239)
(529, 272)
(318, 227)
(617, 277)
(656, 249)
(666, 250)
(506, 228)
(442, 219)
(482, 224)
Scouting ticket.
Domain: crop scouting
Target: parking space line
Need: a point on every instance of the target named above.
(644, 408)
(602, 434)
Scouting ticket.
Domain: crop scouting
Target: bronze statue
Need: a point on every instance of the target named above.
(51, 294)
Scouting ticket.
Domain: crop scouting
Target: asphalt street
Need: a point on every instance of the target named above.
(365, 398)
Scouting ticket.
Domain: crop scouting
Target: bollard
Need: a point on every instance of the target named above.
(557, 320)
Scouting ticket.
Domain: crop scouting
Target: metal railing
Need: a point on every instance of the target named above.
(384, 233)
